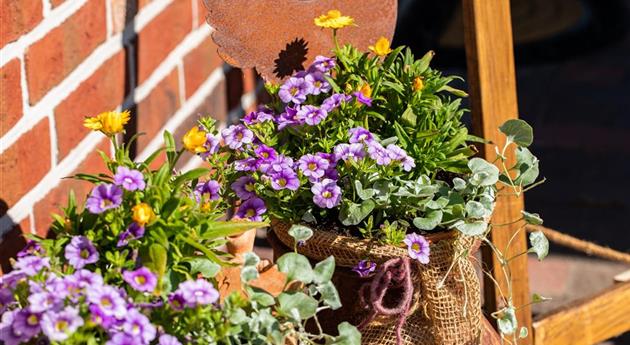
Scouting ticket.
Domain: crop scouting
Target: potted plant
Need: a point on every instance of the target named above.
(363, 156)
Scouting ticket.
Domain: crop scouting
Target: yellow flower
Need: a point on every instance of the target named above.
(418, 84)
(333, 20)
(366, 90)
(142, 214)
(381, 47)
(109, 122)
(194, 140)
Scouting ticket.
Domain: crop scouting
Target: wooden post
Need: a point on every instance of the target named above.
(492, 80)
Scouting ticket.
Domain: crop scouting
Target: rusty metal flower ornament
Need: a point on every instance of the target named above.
(278, 37)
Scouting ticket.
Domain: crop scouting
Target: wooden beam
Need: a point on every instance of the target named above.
(492, 84)
(588, 321)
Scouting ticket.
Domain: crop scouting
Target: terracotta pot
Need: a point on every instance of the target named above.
(240, 244)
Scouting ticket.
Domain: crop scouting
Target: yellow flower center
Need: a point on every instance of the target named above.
(293, 91)
(84, 253)
(327, 194)
(32, 320)
(282, 182)
(250, 213)
(106, 302)
(61, 325)
(249, 187)
(140, 280)
(312, 166)
(415, 247)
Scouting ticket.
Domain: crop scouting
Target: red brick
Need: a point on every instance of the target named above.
(10, 95)
(56, 3)
(162, 35)
(199, 64)
(17, 18)
(155, 110)
(202, 13)
(25, 163)
(103, 91)
(51, 59)
(215, 104)
(58, 197)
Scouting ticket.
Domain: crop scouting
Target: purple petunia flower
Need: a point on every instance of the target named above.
(378, 153)
(322, 64)
(6, 299)
(363, 99)
(335, 101)
(209, 189)
(398, 154)
(311, 115)
(43, 301)
(244, 187)
(26, 323)
(31, 248)
(288, 118)
(167, 339)
(109, 300)
(364, 268)
(99, 317)
(104, 197)
(349, 152)
(252, 209)
(265, 153)
(11, 279)
(295, 90)
(280, 163)
(285, 179)
(211, 145)
(129, 179)
(141, 279)
(81, 252)
(247, 164)
(408, 164)
(60, 326)
(418, 247)
(360, 135)
(261, 115)
(87, 279)
(31, 265)
(7, 334)
(198, 292)
(320, 84)
(176, 300)
(138, 326)
(236, 136)
(326, 194)
(122, 338)
(313, 165)
(133, 231)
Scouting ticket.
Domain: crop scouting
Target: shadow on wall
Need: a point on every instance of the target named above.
(12, 242)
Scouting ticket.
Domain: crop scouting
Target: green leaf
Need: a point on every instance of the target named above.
(507, 321)
(300, 232)
(475, 209)
(305, 305)
(248, 274)
(532, 218)
(536, 298)
(408, 117)
(484, 173)
(156, 262)
(296, 267)
(527, 165)
(261, 297)
(329, 294)
(219, 229)
(348, 335)
(430, 222)
(459, 184)
(539, 243)
(518, 132)
(203, 266)
(475, 228)
(324, 270)
(190, 175)
(364, 194)
(353, 214)
(424, 62)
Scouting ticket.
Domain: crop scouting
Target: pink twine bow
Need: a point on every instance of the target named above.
(393, 274)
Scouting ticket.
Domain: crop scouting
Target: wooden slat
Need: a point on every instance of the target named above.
(491, 74)
(588, 321)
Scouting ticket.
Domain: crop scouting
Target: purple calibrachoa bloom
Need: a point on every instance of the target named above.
(265, 153)
(129, 179)
(335, 101)
(320, 84)
(209, 189)
(87, 279)
(236, 136)
(360, 135)
(26, 323)
(6, 298)
(99, 317)
(59, 326)
(109, 300)
(252, 209)
(198, 292)
(311, 115)
(295, 90)
(176, 300)
(285, 179)
(122, 338)
(313, 166)
(322, 64)
(349, 152)
(211, 145)
(247, 164)
(133, 231)
(288, 118)
(418, 247)
(42, 301)
(398, 154)
(104, 197)
(244, 187)
(142, 279)
(7, 333)
(31, 265)
(138, 326)
(31, 248)
(364, 268)
(261, 115)
(326, 194)
(378, 153)
(363, 99)
(167, 339)
(280, 163)
(80, 252)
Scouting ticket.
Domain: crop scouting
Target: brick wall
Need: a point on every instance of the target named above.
(63, 60)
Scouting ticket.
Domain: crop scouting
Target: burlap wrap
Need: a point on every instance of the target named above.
(446, 315)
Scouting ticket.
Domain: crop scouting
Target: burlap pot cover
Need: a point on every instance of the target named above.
(449, 314)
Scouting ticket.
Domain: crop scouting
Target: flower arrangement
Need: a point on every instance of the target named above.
(136, 264)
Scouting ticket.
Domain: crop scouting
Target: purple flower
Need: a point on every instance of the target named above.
(208, 189)
(104, 197)
(311, 115)
(133, 231)
(285, 179)
(43, 301)
(252, 209)
(261, 115)
(418, 247)
(237, 135)
(129, 179)
(122, 338)
(313, 165)
(361, 98)
(198, 292)
(7, 334)
(295, 90)
(398, 154)
(6, 298)
(87, 279)
(211, 145)
(364, 268)
(60, 326)
(335, 101)
(109, 300)
(31, 265)
(360, 135)
(326, 194)
(176, 300)
(378, 153)
(80, 252)
(247, 164)
(167, 339)
(244, 187)
(99, 317)
(31, 248)
(138, 326)
(280, 163)
(265, 153)
(349, 152)
(26, 323)
(11, 279)
(331, 174)
(322, 64)
(408, 164)
(320, 84)
(141, 279)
